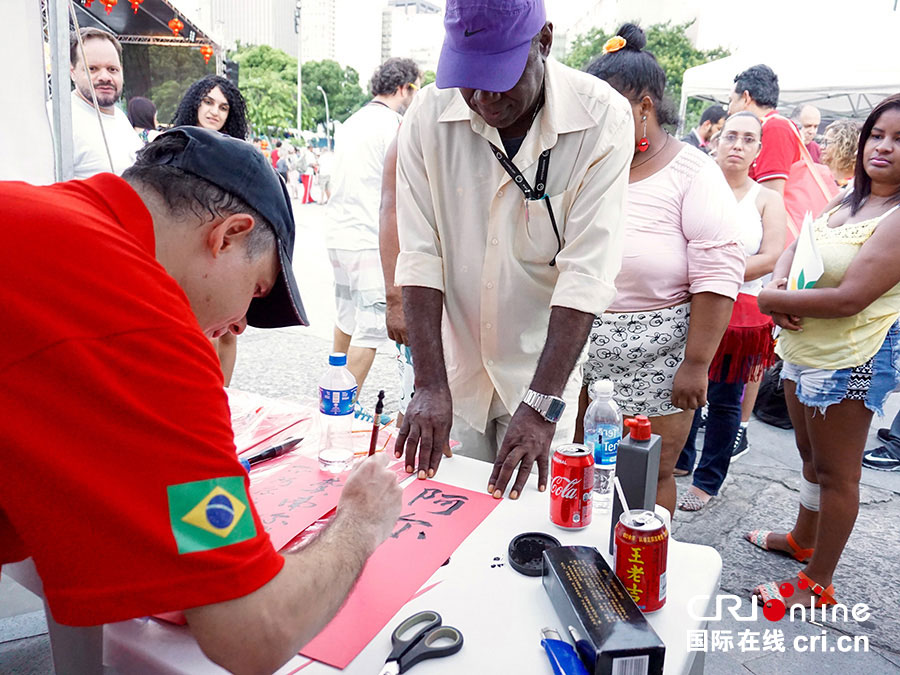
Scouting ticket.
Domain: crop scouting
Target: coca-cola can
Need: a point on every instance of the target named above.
(641, 551)
(571, 486)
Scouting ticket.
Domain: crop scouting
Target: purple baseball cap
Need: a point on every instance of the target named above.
(487, 42)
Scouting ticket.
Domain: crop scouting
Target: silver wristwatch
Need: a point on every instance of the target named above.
(549, 407)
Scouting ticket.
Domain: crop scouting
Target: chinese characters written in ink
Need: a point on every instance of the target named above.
(429, 502)
(307, 499)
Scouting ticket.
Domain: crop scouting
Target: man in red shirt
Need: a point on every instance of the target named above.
(120, 474)
(756, 90)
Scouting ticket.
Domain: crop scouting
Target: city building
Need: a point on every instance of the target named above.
(318, 25)
(261, 22)
(413, 29)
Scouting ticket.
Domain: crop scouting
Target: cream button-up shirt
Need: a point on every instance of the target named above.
(466, 230)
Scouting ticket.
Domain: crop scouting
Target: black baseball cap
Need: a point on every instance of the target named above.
(240, 169)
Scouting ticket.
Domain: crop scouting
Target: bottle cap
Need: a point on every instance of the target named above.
(640, 427)
(337, 359)
(526, 552)
(602, 388)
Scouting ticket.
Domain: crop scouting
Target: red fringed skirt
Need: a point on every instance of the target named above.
(747, 348)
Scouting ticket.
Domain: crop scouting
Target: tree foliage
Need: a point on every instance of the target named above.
(341, 85)
(268, 81)
(668, 43)
(162, 74)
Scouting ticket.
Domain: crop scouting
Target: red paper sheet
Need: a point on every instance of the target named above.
(291, 493)
(435, 520)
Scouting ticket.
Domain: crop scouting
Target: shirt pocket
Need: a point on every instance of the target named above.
(535, 240)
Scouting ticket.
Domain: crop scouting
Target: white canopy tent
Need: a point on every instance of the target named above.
(841, 82)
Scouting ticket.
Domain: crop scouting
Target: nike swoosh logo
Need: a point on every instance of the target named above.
(470, 33)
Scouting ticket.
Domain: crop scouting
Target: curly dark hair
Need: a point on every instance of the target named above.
(235, 125)
(635, 73)
(393, 73)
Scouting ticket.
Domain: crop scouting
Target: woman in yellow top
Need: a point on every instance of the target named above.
(841, 351)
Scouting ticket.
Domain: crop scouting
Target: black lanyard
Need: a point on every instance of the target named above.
(532, 193)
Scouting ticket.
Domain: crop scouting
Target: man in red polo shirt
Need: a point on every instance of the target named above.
(120, 477)
(756, 90)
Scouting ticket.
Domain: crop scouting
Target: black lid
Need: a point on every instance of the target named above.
(526, 552)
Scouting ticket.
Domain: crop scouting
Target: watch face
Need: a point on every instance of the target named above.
(555, 410)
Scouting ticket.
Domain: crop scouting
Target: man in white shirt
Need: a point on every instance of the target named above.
(516, 248)
(104, 68)
(352, 234)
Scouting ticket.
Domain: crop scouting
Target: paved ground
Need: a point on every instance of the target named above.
(761, 491)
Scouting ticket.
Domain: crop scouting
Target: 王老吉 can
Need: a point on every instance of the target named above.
(641, 552)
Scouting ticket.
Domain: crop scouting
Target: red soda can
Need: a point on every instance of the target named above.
(571, 486)
(642, 548)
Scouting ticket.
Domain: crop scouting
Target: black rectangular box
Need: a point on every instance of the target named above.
(614, 636)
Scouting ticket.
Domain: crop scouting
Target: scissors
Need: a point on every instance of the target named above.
(408, 651)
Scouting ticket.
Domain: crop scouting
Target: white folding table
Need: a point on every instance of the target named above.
(499, 611)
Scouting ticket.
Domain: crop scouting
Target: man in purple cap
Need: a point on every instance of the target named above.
(517, 253)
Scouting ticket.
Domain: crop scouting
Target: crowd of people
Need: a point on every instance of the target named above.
(509, 282)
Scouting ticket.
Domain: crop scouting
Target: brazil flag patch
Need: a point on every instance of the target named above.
(208, 514)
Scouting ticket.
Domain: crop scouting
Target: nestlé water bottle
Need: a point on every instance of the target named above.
(337, 393)
(602, 432)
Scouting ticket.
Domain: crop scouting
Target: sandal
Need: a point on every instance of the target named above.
(760, 537)
(691, 502)
(826, 595)
(772, 591)
(678, 473)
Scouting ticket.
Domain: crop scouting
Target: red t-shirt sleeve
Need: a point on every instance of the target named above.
(132, 501)
(780, 149)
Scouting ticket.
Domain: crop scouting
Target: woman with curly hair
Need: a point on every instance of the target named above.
(839, 149)
(681, 271)
(215, 103)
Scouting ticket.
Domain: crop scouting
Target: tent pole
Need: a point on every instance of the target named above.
(61, 102)
(682, 111)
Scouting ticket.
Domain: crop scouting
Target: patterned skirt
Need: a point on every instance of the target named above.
(640, 352)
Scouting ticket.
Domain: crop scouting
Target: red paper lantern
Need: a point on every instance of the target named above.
(135, 4)
(87, 3)
(207, 52)
(175, 25)
(108, 4)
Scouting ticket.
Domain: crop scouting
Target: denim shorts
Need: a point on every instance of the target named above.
(871, 383)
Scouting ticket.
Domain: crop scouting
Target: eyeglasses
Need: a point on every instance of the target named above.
(413, 86)
(732, 137)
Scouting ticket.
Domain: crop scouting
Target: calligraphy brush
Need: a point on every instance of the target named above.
(379, 408)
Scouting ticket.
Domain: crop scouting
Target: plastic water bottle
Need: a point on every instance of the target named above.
(602, 433)
(337, 393)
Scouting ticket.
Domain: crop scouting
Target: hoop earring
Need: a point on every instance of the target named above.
(644, 144)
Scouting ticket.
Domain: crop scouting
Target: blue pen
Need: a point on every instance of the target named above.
(562, 655)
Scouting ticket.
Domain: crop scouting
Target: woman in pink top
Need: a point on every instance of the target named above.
(681, 271)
